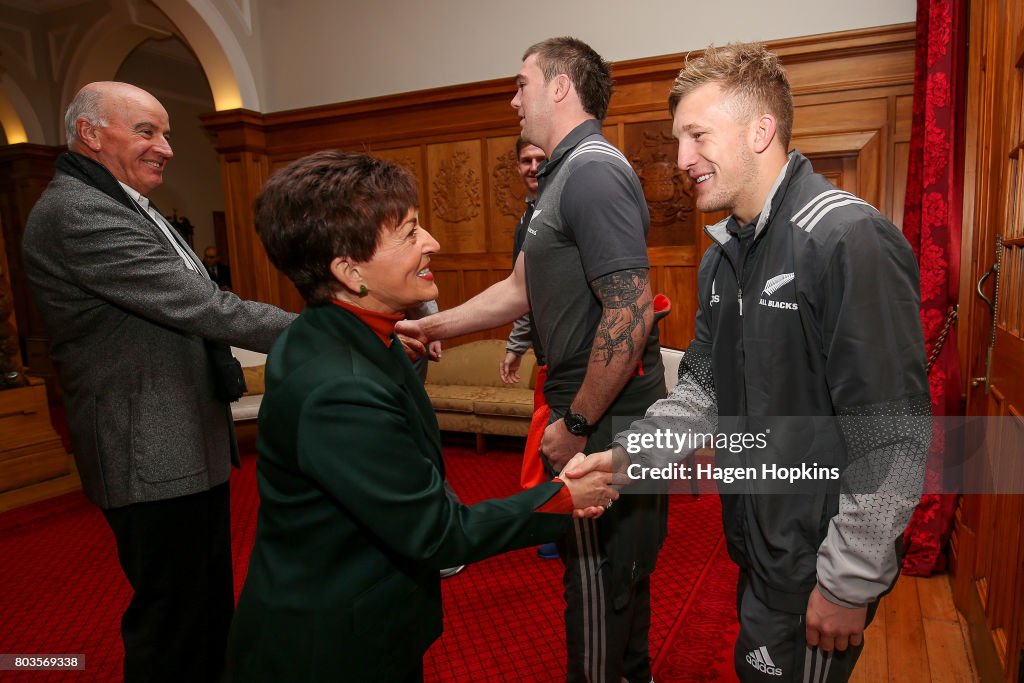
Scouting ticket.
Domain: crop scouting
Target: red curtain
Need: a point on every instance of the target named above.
(932, 225)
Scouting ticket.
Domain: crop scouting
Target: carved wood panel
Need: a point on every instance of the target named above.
(508, 194)
(651, 150)
(454, 196)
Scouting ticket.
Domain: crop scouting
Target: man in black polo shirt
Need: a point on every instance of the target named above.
(584, 274)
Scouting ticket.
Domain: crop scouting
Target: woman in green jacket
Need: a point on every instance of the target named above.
(354, 522)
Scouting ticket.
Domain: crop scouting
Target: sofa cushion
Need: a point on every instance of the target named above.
(453, 397)
(254, 383)
(505, 402)
(476, 364)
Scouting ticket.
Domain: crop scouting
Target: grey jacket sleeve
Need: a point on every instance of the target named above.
(690, 407)
(519, 339)
(118, 257)
(876, 374)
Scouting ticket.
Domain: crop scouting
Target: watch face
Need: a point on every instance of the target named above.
(576, 423)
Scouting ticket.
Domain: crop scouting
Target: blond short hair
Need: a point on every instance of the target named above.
(748, 72)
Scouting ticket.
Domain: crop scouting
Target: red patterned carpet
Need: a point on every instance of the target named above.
(61, 590)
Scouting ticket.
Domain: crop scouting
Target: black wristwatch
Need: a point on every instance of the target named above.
(577, 424)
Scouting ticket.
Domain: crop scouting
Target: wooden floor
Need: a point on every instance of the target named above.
(917, 637)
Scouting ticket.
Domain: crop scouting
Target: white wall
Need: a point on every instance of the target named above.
(325, 51)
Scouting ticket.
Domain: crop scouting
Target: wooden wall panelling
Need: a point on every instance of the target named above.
(455, 196)
(901, 157)
(25, 171)
(245, 166)
(507, 194)
(845, 85)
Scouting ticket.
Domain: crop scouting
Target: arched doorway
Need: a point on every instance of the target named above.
(192, 190)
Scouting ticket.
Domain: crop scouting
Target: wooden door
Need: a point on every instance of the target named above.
(988, 547)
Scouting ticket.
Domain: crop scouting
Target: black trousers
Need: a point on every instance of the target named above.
(603, 644)
(176, 554)
(772, 646)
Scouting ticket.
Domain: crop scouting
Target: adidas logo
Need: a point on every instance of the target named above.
(760, 660)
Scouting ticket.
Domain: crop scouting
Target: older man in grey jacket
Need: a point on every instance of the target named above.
(139, 335)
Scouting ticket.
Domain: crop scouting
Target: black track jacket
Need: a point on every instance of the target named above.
(808, 332)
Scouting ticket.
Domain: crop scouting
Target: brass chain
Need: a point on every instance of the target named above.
(941, 340)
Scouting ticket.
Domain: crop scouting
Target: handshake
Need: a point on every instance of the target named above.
(594, 481)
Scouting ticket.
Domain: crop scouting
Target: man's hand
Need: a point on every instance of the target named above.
(591, 494)
(434, 349)
(509, 367)
(831, 626)
(412, 329)
(412, 347)
(614, 461)
(595, 462)
(558, 444)
(414, 341)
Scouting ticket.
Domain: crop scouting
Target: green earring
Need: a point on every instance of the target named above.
(363, 291)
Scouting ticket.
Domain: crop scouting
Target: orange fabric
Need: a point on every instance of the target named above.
(558, 504)
(382, 324)
(533, 472)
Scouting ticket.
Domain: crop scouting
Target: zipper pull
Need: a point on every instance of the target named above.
(739, 296)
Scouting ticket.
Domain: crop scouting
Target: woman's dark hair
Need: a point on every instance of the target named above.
(327, 205)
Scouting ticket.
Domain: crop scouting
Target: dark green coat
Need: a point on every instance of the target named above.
(354, 522)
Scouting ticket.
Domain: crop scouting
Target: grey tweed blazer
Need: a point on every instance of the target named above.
(126, 320)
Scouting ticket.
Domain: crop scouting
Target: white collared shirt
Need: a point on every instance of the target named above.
(168, 230)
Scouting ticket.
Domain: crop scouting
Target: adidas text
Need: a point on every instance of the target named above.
(761, 666)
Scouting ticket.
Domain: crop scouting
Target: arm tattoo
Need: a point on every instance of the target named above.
(622, 296)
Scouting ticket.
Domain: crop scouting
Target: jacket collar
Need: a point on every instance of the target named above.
(392, 362)
(797, 164)
(94, 174)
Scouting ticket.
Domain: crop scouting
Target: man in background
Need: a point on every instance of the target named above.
(139, 335)
(583, 272)
(528, 160)
(219, 272)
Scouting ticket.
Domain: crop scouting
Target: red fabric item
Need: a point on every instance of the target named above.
(382, 324)
(559, 504)
(932, 225)
(533, 472)
(662, 306)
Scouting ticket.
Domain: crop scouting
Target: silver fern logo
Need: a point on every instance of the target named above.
(774, 284)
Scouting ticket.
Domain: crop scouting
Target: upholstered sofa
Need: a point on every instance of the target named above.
(468, 395)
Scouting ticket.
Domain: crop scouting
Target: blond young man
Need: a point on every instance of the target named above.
(808, 308)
